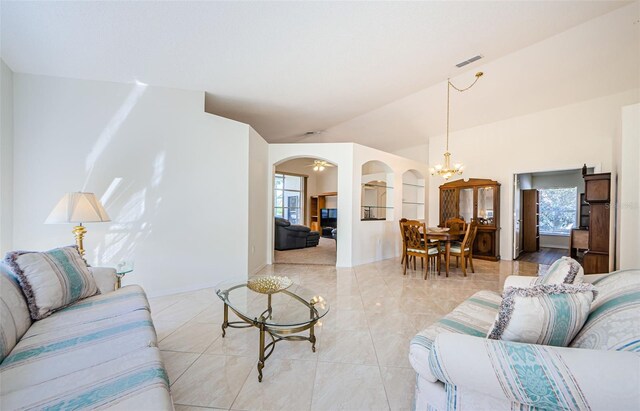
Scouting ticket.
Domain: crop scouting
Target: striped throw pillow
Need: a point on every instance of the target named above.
(548, 314)
(614, 321)
(564, 270)
(14, 314)
(52, 279)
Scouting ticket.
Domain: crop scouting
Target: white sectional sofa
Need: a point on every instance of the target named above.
(458, 368)
(98, 353)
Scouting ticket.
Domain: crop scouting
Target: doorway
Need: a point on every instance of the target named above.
(305, 204)
(547, 208)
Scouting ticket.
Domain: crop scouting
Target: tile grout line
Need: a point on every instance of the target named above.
(194, 361)
(375, 351)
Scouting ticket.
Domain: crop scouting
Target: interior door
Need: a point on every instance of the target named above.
(517, 217)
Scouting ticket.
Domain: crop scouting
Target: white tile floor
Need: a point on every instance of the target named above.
(361, 360)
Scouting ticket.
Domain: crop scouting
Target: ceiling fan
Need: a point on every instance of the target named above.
(320, 165)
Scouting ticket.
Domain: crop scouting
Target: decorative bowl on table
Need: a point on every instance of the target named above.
(438, 229)
(269, 284)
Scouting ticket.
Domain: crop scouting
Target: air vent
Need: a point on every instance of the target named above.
(312, 133)
(471, 60)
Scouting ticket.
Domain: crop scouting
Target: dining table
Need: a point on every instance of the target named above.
(447, 237)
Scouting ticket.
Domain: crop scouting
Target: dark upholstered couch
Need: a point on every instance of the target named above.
(290, 236)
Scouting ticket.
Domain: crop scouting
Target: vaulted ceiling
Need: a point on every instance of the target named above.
(370, 72)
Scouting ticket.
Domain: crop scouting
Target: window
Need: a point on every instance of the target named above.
(288, 197)
(558, 210)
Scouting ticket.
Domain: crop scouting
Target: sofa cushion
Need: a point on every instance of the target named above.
(80, 336)
(14, 313)
(543, 314)
(46, 356)
(473, 317)
(614, 320)
(135, 380)
(53, 279)
(120, 302)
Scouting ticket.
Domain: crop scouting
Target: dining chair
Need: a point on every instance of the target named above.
(417, 247)
(464, 251)
(404, 255)
(456, 224)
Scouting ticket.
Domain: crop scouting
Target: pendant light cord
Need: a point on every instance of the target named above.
(449, 85)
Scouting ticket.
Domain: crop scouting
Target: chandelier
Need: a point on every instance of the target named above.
(445, 170)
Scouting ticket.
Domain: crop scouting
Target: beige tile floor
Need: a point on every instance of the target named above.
(363, 342)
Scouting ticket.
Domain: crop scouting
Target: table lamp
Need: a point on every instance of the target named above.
(78, 208)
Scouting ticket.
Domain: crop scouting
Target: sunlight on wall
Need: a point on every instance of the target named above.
(134, 221)
(114, 124)
(158, 169)
(110, 190)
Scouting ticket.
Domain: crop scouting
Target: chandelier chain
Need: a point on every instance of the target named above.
(449, 85)
(445, 170)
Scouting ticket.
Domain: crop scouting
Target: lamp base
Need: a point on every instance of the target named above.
(79, 232)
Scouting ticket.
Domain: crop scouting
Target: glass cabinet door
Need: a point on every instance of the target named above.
(466, 204)
(485, 206)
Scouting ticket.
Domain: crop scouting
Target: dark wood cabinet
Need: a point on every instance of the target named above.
(475, 199)
(530, 220)
(597, 189)
(584, 212)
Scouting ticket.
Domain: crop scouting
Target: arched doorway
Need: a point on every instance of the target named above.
(305, 211)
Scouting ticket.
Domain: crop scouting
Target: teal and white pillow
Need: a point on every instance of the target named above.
(53, 279)
(548, 314)
(565, 270)
(14, 314)
(614, 321)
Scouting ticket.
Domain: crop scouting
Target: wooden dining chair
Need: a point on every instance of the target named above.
(464, 251)
(417, 247)
(456, 224)
(404, 255)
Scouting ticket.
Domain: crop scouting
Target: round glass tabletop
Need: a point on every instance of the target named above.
(292, 307)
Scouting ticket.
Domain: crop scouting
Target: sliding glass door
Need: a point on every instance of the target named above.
(288, 197)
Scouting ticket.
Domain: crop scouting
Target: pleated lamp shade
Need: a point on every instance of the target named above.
(78, 208)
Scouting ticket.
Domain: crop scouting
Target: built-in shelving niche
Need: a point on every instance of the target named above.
(413, 195)
(377, 192)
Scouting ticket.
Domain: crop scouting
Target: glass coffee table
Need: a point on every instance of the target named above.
(278, 315)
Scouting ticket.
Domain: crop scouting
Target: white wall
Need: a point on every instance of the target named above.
(359, 242)
(259, 177)
(557, 139)
(327, 181)
(6, 158)
(178, 178)
(378, 240)
(629, 189)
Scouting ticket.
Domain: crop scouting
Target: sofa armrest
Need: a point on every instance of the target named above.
(538, 375)
(105, 278)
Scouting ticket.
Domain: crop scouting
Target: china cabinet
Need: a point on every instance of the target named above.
(475, 199)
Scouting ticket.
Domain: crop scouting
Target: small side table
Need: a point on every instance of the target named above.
(122, 269)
